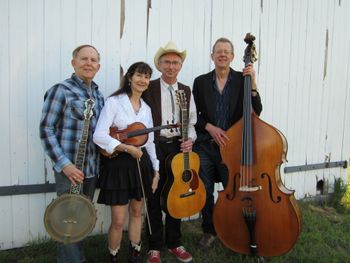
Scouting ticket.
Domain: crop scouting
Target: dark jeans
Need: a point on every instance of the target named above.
(172, 225)
(211, 170)
(72, 253)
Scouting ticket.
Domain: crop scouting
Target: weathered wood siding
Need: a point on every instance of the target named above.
(303, 74)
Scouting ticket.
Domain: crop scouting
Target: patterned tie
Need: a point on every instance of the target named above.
(170, 88)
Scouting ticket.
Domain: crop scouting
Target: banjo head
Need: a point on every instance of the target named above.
(70, 218)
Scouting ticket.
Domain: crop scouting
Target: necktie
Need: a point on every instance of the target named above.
(170, 88)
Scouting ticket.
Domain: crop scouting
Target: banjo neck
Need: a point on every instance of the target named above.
(80, 156)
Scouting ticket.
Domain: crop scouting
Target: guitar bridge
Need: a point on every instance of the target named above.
(187, 194)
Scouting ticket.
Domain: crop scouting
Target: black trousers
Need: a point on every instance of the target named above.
(172, 225)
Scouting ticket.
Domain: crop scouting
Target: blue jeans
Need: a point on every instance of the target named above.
(74, 252)
(211, 170)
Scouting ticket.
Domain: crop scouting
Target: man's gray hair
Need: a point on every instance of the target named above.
(77, 49)
(223, 40)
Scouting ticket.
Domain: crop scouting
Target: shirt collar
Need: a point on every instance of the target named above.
(165, 85)
(81, 82)
(228, 78)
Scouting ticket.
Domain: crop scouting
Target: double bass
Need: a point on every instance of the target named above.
(255, 214)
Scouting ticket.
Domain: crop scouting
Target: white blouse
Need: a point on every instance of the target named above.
(118, 112)
(167, 114)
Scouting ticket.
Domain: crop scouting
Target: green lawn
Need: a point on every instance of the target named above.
(325, 237)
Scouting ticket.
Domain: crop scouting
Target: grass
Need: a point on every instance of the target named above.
(325, 238)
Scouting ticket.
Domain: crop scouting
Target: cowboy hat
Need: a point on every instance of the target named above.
(170, 47)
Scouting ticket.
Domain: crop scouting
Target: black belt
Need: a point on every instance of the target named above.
(174, 139)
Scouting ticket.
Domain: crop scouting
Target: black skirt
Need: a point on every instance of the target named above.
(119, 179)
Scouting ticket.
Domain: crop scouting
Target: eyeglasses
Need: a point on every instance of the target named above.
(225, 52)
(173, 63)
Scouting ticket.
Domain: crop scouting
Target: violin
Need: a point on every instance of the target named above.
(135, 134)
(255, 214)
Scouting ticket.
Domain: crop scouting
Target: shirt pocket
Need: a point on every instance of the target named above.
(77, 108)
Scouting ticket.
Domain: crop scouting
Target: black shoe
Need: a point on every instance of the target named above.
(134, 253)
(113, 259)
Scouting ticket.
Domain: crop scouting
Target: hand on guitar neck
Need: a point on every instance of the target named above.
(73, 174)
(186, 146)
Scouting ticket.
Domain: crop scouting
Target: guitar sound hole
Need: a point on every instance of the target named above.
(186, 176)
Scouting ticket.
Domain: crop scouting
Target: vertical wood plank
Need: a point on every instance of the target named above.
(111, 50)
(7, 237)
(83, 21)
(18, 91)
(5, 176)
(35, 86)
(68, 36)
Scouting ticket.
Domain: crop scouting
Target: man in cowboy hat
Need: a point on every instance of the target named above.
(160, 96)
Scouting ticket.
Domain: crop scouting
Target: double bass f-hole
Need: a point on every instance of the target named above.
(279, 198)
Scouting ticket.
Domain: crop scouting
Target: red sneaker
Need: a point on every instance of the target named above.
(181, 254)
(153, 256)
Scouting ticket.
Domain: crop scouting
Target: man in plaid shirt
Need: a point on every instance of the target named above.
(61, 129)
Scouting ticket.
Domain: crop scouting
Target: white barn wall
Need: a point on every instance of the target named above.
(38, 38)
(303, 77)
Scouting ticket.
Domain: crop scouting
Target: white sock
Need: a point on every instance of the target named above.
(137, 247)
(113, 251)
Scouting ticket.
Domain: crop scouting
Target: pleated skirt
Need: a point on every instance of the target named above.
(120, 181)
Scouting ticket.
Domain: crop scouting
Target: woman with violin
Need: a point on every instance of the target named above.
(129, 172)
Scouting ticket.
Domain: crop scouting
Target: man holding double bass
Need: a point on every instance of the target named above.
(160, 96)
(219, 100)
(61, 130)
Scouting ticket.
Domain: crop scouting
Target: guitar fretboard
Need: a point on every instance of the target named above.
(184, 130)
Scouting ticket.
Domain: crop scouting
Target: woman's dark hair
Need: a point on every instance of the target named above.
(139, 67)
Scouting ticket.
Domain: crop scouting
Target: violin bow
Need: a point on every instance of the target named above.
(144, 196)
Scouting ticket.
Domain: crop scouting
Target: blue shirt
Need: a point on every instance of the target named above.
(222, 113)
(62, 120)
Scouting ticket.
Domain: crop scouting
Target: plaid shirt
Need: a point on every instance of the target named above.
(62, 120)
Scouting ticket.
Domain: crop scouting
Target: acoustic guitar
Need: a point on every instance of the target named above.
(184, 193)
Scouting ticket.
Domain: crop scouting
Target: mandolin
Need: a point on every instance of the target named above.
(184, 193)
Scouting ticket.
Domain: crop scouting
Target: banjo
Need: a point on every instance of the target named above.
(72, 216)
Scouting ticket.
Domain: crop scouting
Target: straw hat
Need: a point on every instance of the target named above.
(170, 47)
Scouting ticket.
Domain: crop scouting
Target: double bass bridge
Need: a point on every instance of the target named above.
(248, 188)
